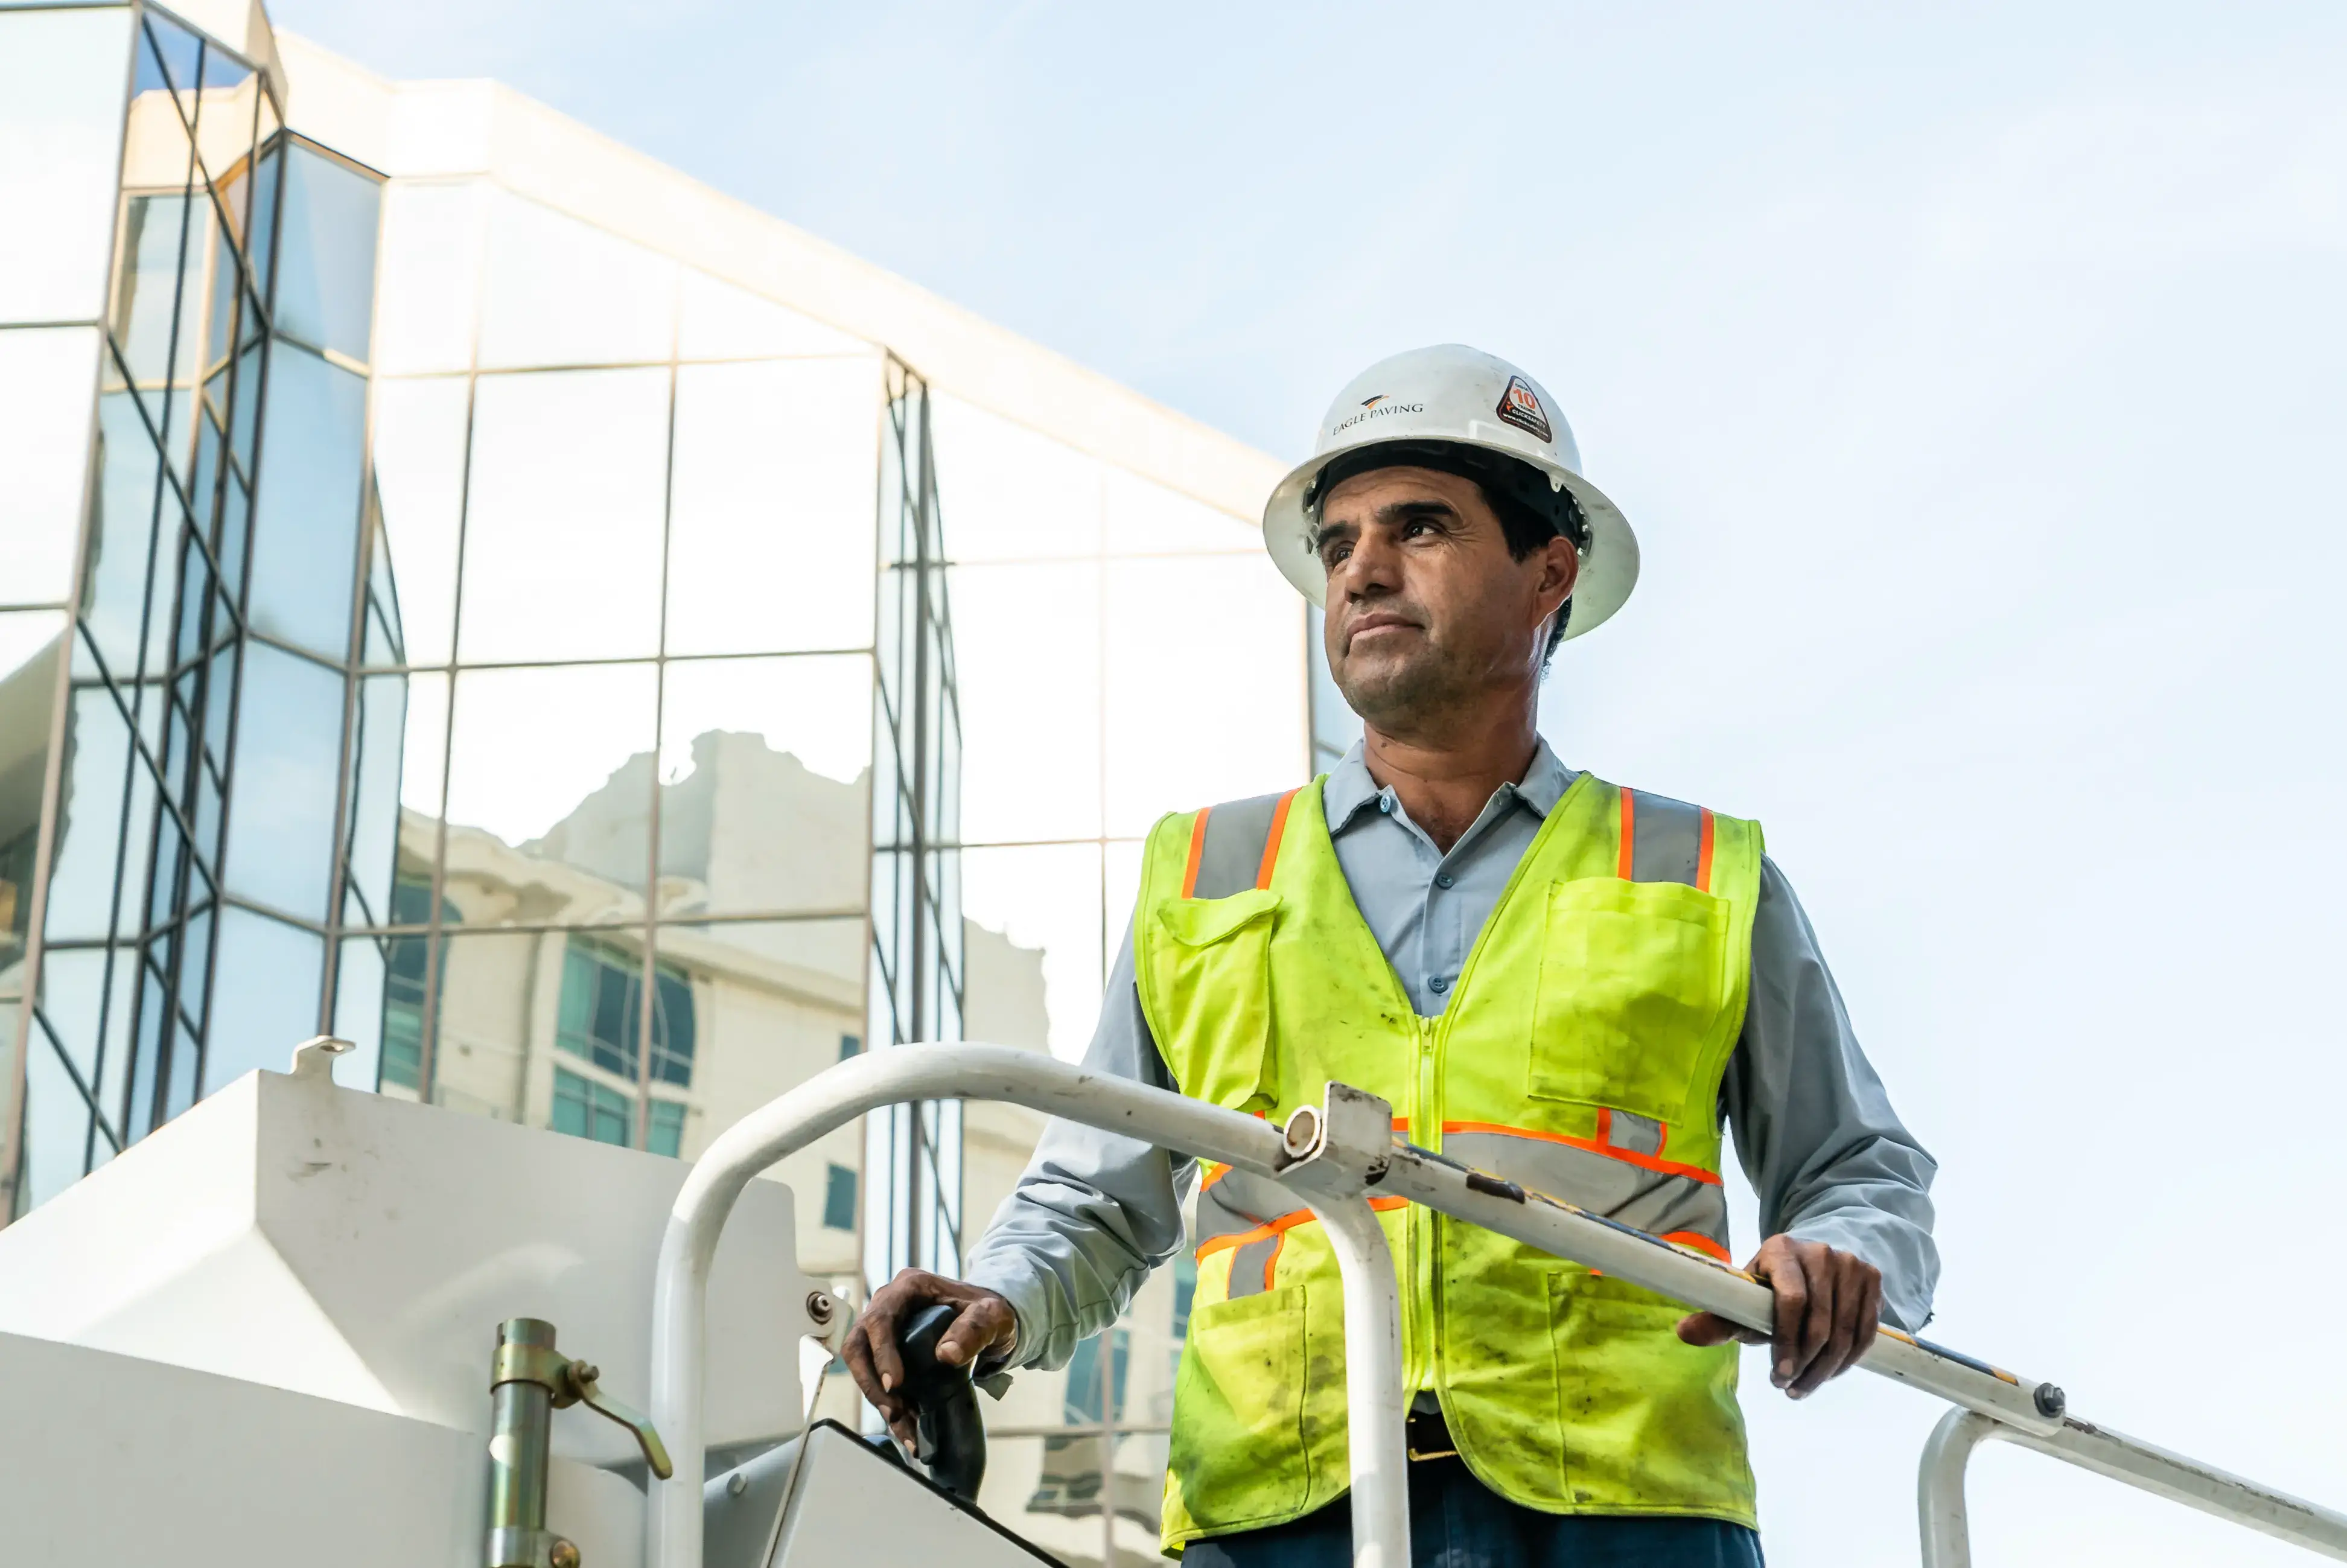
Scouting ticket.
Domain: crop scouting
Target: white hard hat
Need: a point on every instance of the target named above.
(1456, 397)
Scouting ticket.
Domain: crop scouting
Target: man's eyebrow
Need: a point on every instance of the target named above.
(1395, 512)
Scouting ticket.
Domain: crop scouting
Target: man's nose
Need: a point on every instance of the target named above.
(1371, 569)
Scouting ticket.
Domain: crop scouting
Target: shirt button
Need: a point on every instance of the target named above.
(1438, 984)
(1385, 804)
(1444, 879)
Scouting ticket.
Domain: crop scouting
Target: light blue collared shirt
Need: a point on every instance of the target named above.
(1813, 1129)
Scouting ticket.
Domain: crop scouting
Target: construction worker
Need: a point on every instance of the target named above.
(1573, 983)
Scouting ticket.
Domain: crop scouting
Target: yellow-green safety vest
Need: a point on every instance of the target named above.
(1581, 1054)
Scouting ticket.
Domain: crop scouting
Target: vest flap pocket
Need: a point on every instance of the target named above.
(1238, 1457)
(1210, 967)
(1633, 982)
(1201, 922)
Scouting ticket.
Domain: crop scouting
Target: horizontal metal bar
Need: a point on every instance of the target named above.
(1685, 1274)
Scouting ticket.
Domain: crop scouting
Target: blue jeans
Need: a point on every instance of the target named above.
(1455, 1521)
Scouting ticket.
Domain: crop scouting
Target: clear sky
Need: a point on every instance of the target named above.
(1974, 377)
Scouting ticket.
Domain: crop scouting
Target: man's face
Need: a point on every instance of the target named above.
(1426, 609)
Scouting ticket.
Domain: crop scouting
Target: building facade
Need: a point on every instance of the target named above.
(468, 589)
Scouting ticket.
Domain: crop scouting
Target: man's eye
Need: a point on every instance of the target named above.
(1335, 554)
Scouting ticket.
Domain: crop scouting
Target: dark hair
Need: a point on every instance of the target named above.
(1530, 509)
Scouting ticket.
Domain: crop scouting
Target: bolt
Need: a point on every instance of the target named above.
(585, 1371)
(562, 1554)
(2050, 1400)
(820, 1306)
(736, 1484)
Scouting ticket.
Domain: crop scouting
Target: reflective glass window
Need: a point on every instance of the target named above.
(422, 754)
(56, 1126)
(306, 521)
(380, 726)
(772, 485)
(563, 534)
(406, 972)
(718, 321)
(122, 533)
(31, 642)
(431, 275)
(554, 766)
(1010, 493)
(61, 116)
(265, 989)
(560, 291)
(1026, 654)
(1146, 518)
(89, 818)
(599, 1022)
(764, 803)
(73, 1003)
(585, 1109)
(1242, 632)
(325, 252)
(147, 291)
(48, 377)
(419, 465)
(664, 1127)
(1043, 908)
(838, 1198)
(281, 824)
(359, 977)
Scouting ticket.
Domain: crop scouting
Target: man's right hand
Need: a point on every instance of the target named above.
(984, 1322)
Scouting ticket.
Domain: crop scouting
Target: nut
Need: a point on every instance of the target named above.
(820, 1306)
(562, 1554)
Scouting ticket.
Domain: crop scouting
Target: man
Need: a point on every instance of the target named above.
(1573, 983)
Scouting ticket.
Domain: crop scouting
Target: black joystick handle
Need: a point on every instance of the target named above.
(950, 1436)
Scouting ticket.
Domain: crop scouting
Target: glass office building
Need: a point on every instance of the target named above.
(470, 589)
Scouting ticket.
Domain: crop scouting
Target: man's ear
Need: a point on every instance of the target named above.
(1560, 570)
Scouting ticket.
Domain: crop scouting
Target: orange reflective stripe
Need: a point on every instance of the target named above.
(1271, 1258)
(1215, 1173)
(1701, 1243)
(1703, 856)
(1278, 1227)
(1627, 1157)
(1627, 861)
(1271, 843)
(1197, 848)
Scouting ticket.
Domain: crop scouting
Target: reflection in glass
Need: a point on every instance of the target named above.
(379, 726)
(305, 538)
(1014, 495)
(1024, 637)
(419, 462)
(359, 977)
(772, 484)
(265, 992)
(1180, 636)
(89, 818)
(1048, 898)
(430, 275)
(56, 1128)
(281, 829)
(60, 153)
(325, 252)
(31, 642)
(763, 803)
(562, 532)
(48, 377)
(1144, 518)
(550, 794)
(122, 532)
(560, 291)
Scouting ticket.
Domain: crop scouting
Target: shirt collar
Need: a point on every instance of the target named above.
(1352, 791)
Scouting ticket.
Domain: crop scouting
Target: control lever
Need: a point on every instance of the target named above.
(950, 1435)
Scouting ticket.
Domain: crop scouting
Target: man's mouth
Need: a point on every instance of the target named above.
(1376, 621)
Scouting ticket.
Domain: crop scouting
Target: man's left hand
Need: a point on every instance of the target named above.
(1827, 1306)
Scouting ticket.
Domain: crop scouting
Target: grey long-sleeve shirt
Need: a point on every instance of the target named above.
(1813, 1129)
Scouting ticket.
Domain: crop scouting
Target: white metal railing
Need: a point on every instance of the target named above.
(1330, 1155)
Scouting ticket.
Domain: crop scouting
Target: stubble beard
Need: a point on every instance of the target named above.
(1403, 696)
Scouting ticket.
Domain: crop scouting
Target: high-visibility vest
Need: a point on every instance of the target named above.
(1581, 1053)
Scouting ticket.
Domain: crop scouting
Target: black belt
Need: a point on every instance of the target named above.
(1426, 1436)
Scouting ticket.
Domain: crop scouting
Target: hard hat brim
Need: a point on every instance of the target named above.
(1609, 566)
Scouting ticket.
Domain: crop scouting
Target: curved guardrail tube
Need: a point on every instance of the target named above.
(840, 1094)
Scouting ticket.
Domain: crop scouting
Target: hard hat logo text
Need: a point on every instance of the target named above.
(1521, 406)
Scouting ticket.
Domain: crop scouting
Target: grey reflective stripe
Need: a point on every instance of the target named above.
(1234, 1205)
(1652, 1201)
(1232, 856)
(1639, 1134)
(1666, 838)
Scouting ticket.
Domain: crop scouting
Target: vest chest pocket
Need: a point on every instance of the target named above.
(1634, 976)
(1210, 962)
